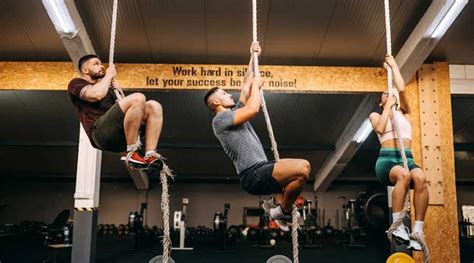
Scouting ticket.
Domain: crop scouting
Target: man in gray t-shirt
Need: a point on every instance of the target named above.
(258, 176)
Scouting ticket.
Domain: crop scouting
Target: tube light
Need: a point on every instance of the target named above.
(446, 18)
(60, 16)
(363, 131)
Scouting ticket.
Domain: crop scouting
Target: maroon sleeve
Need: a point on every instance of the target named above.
(75, 86)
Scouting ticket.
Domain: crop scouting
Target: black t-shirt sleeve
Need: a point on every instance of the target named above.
(76, 85)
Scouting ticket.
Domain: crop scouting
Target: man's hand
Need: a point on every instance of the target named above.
(257, 82)
(255, 47)
(111, 71)
(391, 61)
(115, 84)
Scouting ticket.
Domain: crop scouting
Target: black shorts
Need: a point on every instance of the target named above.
(258, 179)
(108, 132)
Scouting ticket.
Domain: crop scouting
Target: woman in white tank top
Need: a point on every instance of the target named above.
(389, 167)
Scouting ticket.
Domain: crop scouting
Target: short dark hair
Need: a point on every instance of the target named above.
(84, 59)
(208, 94)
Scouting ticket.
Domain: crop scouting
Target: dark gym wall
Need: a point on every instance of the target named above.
(465, 196)
(43, 201)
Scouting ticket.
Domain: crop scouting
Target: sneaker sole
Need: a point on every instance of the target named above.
(155, 165)
(136, 164)
(132, 160)
(282, 226)
(414, 249)
(401, 240)
(139, 167)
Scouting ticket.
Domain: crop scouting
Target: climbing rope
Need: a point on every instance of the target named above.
(165, 207)
(406, 206)
(294, 213)
(165, 171)
(118, 93)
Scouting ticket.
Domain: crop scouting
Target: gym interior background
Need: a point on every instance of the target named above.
(39, 134)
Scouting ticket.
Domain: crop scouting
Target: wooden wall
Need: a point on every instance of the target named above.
(56, 75)
(441, 228)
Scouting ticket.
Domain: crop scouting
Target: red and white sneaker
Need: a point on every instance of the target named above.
(155, 161)
(134, 160)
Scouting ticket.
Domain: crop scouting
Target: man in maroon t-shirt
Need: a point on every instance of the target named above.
(113, 126)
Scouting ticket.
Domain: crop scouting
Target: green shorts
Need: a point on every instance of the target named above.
(388, 158)
(108, 132)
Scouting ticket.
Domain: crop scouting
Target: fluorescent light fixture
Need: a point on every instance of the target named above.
(363, 131)
(445, 18)
(60, 16)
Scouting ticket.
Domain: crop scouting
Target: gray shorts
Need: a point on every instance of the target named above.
(258, 179)
(108, 131)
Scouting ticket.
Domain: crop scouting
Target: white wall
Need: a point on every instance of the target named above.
(461, 79)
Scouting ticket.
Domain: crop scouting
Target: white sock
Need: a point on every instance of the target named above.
(396, 216)
(418, 227)
(149, 154)
(130, 147)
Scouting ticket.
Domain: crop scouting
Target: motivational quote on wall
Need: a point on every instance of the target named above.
(204, 76)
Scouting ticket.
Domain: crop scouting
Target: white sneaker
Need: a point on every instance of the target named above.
(415, 245)
(401, 235)
(281, 219)
(268, 204)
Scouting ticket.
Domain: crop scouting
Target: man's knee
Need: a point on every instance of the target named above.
(137, 99)
(154, 107)
(304, 169)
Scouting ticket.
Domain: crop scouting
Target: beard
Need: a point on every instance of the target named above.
(97, 75)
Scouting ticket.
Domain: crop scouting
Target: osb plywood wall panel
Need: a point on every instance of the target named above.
(441, 231)
(56, 75)
(430, 138)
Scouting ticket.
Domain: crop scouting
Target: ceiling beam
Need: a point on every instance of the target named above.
(139, 177)
(420, 43)
(80, 44)
(410, 57)
(346, 146)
